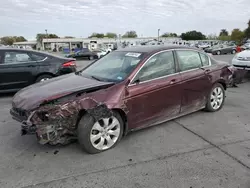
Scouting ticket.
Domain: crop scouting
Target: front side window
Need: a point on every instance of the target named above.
(188, 60)
(16, 57)
(114, 67)
(204, 59)
(157, 66)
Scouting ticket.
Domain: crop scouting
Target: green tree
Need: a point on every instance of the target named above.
(41, 36)
(9, 40)
(193, 35)
(69, 37)
(97, 35)
(169, 35)
(111, 35)
(224, 38)
(247, 30)
(212, 37)
(223, 32)
(130, 34)
(237, 35)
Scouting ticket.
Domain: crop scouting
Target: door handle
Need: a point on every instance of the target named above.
(207, 71)
(172, 81)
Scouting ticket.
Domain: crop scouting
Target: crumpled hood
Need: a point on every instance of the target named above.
(32, 96)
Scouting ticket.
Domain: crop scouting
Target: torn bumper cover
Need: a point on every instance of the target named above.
(57, 123)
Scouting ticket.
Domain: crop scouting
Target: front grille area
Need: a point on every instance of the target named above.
(20, 112)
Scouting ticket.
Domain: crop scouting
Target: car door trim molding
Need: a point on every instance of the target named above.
(169, 50)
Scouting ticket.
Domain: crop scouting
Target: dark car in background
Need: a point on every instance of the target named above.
(20, 68)
(126, 90)
(221, 49)
(82, 54)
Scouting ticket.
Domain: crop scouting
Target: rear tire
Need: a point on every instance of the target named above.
(218, 52)
(91, 57)
(216, 98)
(94, 141)
(234, 51)
(43, 77)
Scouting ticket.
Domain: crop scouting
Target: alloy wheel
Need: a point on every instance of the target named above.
(216, 98)
(105, 133)
(44, 79)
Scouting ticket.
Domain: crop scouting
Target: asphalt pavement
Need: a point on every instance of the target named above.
(201, 150)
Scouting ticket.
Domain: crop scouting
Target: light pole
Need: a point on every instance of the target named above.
(46, 36)
(158, 35)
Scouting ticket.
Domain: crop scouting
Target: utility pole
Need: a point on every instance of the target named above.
(158, 35)
(46, 35)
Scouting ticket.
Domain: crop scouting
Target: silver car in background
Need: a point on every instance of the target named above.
(223, 49)
(242, 60)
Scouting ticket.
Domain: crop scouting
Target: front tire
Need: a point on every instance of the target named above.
(218, 52)
(43, 77)
(234, 51)
(98, 136)
(216, 98)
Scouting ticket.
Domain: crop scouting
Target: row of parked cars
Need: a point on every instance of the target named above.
(229, 48)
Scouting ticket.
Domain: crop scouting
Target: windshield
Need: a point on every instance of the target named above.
(114, 67)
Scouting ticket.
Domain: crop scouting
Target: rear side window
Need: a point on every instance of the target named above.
(37, 57)
(188, 60)
(204, 59)
(16, 57)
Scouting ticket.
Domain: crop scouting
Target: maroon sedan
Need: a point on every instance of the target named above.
(126, 90)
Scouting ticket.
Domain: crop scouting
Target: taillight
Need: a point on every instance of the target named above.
(69, 64)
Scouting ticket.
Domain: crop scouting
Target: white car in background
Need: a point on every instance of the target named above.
(102, 52)
(204, 46)
(242, 60)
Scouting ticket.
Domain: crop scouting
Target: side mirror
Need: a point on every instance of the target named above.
(137, 81)
(127, 82)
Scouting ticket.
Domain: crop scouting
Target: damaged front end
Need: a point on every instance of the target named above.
(56, 122)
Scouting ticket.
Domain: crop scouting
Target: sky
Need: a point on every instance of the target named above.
(80, 18)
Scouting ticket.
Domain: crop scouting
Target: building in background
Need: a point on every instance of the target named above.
(26, 44)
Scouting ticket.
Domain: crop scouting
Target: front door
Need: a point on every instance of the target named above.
(16, 70)
(154, 94)
(196, 83)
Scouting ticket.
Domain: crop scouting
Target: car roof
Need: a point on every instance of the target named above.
(152, 49)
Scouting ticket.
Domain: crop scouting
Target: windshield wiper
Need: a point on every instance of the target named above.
(98, 79)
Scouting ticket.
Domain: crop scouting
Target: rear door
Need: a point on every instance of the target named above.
(196, 82)
(154, 94)
(17, 70)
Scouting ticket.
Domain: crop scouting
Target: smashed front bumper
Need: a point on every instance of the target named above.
(47, 131)
(57, 123)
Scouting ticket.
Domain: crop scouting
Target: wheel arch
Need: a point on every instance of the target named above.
(223, 83)
(121, 112)
(43, 73)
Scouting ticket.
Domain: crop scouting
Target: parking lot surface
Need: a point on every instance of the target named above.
(199, 150)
